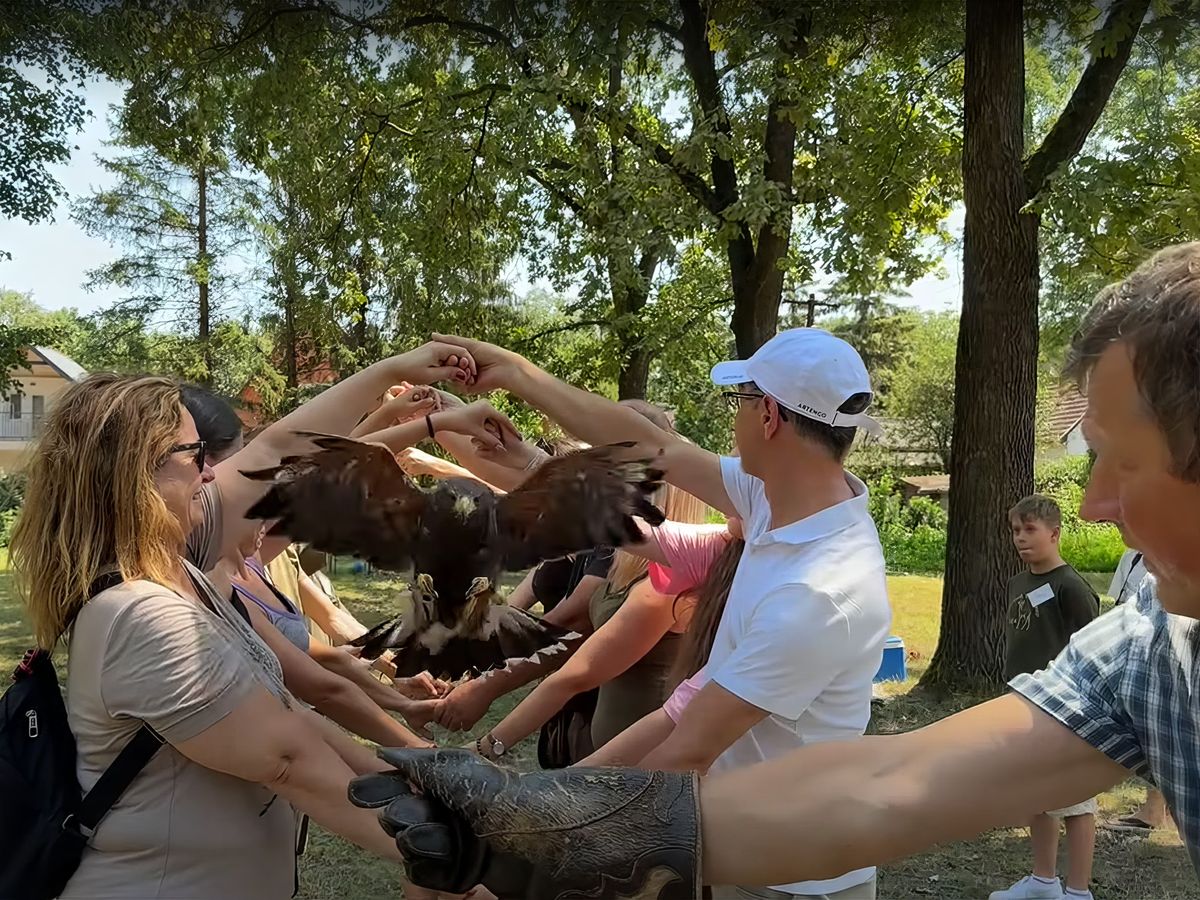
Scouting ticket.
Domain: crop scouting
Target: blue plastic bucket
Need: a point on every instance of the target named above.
(894, 666)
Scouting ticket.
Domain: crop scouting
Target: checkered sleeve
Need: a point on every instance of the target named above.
(1090, 685)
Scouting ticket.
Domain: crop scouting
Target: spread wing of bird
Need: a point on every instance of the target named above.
(576, 502)
(348, 497)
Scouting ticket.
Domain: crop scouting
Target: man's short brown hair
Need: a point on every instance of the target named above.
(1037, 508)
(1155, 312)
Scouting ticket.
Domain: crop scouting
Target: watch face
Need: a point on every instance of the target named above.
(498, 747)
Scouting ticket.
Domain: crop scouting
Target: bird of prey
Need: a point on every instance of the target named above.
(350, 497)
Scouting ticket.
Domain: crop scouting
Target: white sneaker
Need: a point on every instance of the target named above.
(1029, 888)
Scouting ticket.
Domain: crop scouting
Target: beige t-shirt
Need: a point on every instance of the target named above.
(141, 653)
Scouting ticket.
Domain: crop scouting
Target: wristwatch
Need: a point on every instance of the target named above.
(495, 748)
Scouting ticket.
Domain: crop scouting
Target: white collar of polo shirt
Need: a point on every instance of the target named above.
(821, 524)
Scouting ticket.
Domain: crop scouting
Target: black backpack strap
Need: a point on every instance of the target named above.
(129, 762)
(116, 778)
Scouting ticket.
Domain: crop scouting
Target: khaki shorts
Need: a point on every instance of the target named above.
(1086, 808)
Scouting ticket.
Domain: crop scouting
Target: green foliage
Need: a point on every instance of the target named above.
(12, 490)
(922, 389)
(914, 533)
(1092, 548)
(41, 104)
(1088, 546)
(1135, 187)
(12, 495)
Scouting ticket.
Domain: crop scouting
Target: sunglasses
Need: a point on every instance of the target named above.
(197, 446)
(735, 398)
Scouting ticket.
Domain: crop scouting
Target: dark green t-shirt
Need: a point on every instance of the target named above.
(1043, 612)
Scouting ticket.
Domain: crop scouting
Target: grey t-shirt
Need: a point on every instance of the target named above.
(140, 653)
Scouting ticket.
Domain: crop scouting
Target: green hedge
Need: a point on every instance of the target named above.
(914, 533)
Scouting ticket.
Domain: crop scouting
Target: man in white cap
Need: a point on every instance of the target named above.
(803, 630)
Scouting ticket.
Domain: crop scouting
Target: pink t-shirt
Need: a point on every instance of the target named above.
(690, 551)
(683, 695)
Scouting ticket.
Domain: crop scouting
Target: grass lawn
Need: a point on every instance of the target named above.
(1126, 868)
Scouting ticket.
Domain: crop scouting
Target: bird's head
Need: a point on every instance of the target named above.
(457, 541)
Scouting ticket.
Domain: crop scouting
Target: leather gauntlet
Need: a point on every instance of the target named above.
(565, 834)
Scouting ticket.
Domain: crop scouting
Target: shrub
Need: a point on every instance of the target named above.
(921, 551)
(1092, 548)
(914, 533)
(8, 518)
(12, 490)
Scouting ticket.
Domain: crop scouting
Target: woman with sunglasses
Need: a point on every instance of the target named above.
(117, 484)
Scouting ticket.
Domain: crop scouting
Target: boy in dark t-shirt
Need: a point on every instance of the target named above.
(1047, 603)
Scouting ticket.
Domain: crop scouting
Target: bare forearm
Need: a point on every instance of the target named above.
(335, 622)
(314, 782)
(831, 808)
(589, 416)
(355, 712)
(460, 447)
(676, 755)
(358, 757)
(338, 409)
(635, 743)
(357, 672)
(534, 711)
(397, 437)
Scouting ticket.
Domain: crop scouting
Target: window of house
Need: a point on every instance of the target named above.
(14, 406)
(39, 406)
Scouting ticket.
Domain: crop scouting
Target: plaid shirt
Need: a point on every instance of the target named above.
(1129, 685)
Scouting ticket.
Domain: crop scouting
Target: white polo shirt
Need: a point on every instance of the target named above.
(803, 631)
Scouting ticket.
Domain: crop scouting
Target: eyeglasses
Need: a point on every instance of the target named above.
(735, 398)
(198, 446)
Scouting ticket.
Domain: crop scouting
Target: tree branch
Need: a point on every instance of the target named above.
(559, 329)
(564, 196)
(1088, 100)
(700, 63)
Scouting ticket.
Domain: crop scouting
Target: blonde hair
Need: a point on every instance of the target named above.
(678, 506)
(91, 502)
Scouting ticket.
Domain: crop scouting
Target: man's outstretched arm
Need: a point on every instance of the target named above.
(832, 808)
(597, 419)
(818, 812)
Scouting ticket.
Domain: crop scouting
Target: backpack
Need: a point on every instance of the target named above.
(45, 819)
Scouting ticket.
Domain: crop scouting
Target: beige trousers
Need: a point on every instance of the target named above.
(864, 891)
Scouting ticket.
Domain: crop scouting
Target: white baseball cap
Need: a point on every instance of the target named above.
(808, 371)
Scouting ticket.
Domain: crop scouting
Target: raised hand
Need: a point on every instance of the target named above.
(605, 833)
(493, 367)
(437, 361)
(462, 708)
(402, 403)
(479, 420)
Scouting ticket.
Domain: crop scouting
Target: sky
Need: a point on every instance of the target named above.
(51, 259)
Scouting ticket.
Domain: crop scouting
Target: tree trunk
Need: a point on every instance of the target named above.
(204, 324)
(629, 297)
(359, 332)
(754, 271)
(991, 460)
(289, 332)
(634, 375)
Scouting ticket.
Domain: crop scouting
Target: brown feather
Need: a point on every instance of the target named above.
(576, 502)
(347, 498)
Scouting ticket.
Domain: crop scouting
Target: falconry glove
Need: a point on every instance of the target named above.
(566, 834)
